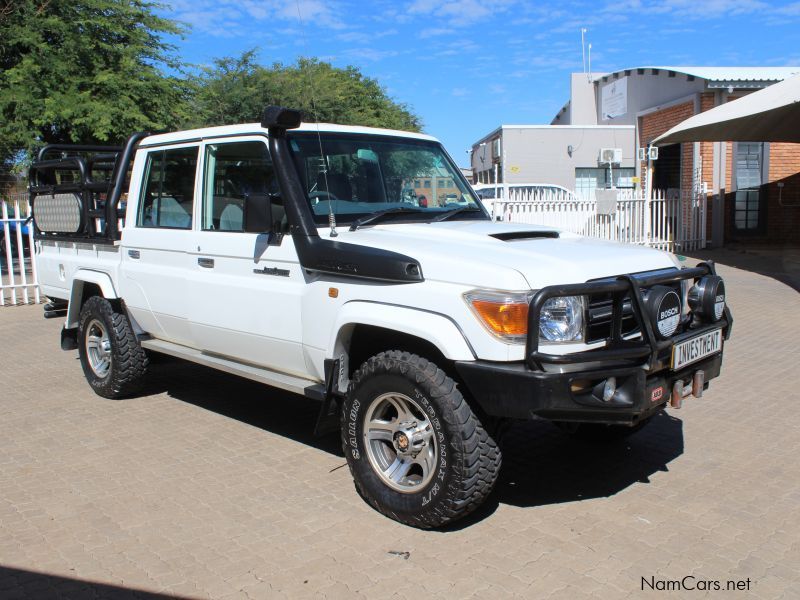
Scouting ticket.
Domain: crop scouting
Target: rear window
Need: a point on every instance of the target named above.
(168, 192)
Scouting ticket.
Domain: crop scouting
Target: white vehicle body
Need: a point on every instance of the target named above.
(265, 306)
(291, 325)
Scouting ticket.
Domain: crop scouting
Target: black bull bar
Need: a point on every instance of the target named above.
(617, 348)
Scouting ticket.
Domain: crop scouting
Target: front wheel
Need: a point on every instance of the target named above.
(417, 452)
(113, 361)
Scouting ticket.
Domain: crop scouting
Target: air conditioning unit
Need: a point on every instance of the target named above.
(610, 155)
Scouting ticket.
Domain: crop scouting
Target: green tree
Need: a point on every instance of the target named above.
(236, 89)
(84, 71)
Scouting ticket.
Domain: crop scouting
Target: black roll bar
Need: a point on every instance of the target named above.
(84, 158)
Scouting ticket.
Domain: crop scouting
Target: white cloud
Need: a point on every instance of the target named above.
(364, 37)
(233, 17)
(435, 32)
(367, 54)
(460, 12)
(702, 9)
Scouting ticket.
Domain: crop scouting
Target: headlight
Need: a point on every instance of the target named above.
(561, 319)
(504, 314)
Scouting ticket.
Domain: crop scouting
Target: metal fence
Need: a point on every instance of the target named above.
(674, 222)
(19, 283)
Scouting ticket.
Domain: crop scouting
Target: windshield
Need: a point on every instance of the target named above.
(357, 175)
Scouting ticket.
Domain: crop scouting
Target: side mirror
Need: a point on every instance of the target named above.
(260, 218)
(258, 213)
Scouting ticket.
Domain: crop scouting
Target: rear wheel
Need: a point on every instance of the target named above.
(417, 452)
(113, 361)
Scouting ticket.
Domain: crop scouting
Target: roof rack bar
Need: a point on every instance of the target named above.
(76, 148)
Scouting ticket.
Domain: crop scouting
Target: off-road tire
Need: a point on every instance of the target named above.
(469, 459)
(598, 432)
(128, 365)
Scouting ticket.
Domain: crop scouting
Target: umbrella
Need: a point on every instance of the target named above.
(768, 115)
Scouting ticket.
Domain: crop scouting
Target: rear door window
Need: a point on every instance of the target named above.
(168, 192)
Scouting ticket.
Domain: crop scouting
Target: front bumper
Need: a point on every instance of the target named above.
(565, 387)
(515, 391)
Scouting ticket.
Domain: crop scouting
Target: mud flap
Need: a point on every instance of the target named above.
(69, 339)
(328, 418)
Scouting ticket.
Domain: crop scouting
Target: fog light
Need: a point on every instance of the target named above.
(609, 389)
(707, 297)
(664, 308)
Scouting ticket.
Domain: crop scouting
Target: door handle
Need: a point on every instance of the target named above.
(134, 254)
(207, 263)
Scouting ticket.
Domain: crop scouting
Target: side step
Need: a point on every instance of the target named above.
(290, 383)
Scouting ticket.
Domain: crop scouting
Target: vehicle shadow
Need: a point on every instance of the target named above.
(288, 415)
(21, 583)
(541, 464)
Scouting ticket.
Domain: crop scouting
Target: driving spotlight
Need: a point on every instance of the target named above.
(707, 297)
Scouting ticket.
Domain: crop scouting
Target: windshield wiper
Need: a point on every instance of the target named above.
(379, 214)
(453, 212)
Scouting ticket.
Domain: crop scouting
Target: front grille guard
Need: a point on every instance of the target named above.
(617, 349)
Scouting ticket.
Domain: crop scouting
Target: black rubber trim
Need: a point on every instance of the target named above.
(510, 236)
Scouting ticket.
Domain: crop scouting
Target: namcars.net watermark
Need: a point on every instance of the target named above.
(691, 583)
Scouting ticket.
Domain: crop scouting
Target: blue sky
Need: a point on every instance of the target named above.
(467, 66)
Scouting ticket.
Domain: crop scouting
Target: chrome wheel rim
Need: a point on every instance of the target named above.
(98, 348)
(400, 442)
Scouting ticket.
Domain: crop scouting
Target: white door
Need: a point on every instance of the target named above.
(246, 294)
(154, 244)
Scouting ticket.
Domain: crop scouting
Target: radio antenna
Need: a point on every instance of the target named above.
(323, 158)
(583, 48)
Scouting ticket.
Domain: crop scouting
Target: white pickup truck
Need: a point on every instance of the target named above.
(291, 254)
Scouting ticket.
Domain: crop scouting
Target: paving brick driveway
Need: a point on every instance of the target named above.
(211, 486)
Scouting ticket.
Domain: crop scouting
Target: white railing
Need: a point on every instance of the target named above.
(19, 283)
(674, 222)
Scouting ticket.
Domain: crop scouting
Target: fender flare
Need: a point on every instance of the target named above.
(436, 328)
(82, 276)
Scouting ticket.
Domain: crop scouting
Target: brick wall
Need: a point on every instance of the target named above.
(783, 205)
(707, 162)
(656, 123)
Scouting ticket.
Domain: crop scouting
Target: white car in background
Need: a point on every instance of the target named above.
(489, 193)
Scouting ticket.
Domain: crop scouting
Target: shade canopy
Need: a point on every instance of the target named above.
(768, 115)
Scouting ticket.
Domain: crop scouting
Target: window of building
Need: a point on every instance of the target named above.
(747, 208)
(427, 183)
(168, 192)
(234, 173)
(589, 179)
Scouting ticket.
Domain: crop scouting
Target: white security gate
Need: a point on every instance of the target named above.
(676, 222)
(19, 283)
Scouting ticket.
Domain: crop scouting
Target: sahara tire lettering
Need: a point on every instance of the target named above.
(351, 428)
(430, 495)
